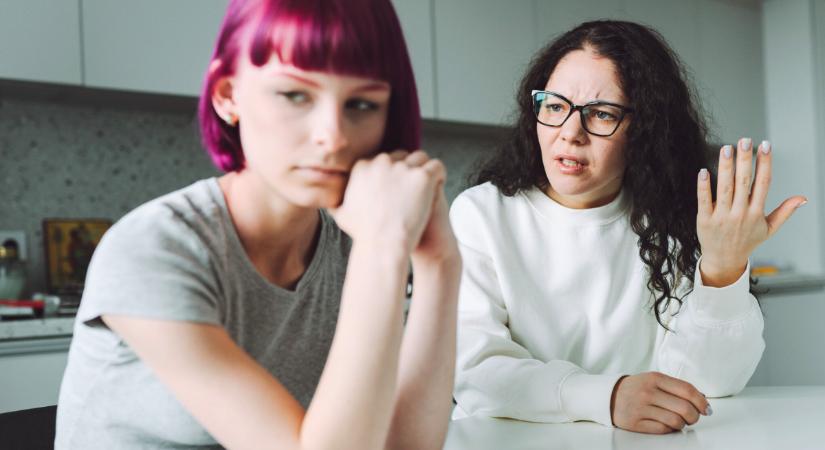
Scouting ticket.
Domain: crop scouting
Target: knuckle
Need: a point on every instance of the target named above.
(661, 428)
(675, 423)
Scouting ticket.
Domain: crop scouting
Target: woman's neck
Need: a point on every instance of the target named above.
(278, 236)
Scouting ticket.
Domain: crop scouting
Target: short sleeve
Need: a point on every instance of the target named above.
(152, 264)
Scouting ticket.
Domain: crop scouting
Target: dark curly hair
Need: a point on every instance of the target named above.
(666, 145)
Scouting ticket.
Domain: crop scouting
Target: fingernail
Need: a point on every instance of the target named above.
(746, 143)
(703, 174)
(766, 147)
(804, 202)
(727, 150)
(709, 410)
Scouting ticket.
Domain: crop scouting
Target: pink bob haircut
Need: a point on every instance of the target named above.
(347, 37)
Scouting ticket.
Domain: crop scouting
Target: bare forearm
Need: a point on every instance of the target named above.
(359, 379)
(427, 365)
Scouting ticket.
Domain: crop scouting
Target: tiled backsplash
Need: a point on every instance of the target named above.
(64, 158)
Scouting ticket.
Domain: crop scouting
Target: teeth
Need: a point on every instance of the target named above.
(569, 163)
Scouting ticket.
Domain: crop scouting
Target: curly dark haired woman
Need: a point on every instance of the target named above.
(582, 239)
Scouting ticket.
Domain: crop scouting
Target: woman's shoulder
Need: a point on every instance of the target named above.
(482, 212)
(188, 217)
(484, 201)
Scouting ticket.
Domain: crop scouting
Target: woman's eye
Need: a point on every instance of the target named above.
(555, 107)
(295, 97)
(362, 105)
(603, 115)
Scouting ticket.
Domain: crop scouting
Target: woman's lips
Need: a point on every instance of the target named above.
(315, 173)
(569, 165)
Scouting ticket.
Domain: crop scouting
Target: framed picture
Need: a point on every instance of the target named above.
(69, 244)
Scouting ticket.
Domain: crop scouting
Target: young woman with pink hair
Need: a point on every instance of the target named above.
(263, 308)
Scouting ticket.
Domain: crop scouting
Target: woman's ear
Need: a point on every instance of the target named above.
(223, 100)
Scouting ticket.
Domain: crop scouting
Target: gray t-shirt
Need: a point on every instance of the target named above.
(179, 257)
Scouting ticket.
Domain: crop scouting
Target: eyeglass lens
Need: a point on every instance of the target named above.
(597, 119)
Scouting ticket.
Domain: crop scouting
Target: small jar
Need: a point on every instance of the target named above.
(12, 271)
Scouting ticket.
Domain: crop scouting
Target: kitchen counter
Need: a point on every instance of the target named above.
(789, 283)
(35, 335)
(768, 418)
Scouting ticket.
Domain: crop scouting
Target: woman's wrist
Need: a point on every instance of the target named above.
(720, 275)
(613, 398)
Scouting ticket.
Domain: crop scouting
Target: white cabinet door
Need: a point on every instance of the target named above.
(483, 48)
(156, 46)
(416, 20)
(40, 40)
(31, 381)
(554, 17)
(730, 73)
(676, 20)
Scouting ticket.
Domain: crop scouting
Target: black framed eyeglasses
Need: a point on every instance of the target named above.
(599, 118)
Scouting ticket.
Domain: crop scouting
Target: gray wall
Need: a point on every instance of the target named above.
(70, 153)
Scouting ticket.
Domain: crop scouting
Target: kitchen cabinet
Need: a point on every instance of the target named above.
(416, 21)
(40, 41)
(730, 75)
(149, 46)
(793, 350)
(482, 49)
(31, 380)
(558, 16)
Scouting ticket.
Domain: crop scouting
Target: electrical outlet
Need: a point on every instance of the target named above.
(18, 236)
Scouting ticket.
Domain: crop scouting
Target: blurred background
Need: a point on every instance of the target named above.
(97, 115)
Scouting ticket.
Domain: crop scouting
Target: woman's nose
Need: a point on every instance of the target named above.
(572, 130)
(328, 131)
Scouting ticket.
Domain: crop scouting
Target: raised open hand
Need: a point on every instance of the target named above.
(732, 227)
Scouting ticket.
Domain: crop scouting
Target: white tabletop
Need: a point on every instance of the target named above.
(770, 418)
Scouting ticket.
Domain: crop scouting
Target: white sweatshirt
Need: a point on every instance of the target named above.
(554, 308)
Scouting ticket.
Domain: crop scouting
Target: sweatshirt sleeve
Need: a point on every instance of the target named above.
(495, 375)
(716, 340)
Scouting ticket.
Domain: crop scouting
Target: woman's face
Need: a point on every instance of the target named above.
(302, 131)
(585, 171)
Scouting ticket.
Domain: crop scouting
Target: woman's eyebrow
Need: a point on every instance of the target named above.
(296, 77)
(377, 86)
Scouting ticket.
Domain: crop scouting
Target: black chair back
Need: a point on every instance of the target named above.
(28, 429)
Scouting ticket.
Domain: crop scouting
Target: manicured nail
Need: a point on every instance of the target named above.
(727, 150)
(746, 144)
(766, 147)
(709, 410)
(804, 202)
(703, 174)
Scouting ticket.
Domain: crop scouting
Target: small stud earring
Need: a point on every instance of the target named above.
(230, 119)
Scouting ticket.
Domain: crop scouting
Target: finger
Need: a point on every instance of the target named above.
(417, 158)
(704, 194)
(678, 405)
(783, 212)
(653, 427)
(436, 169)
(398, 155)
(743, 175)
(669, 418)
(684, 390)
(762, 180)
(724, 179)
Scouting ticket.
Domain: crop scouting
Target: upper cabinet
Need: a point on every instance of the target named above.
(157, 46)
(416, 21)
(40, 41)
(730, 76)
(482, 48)
(468, 55)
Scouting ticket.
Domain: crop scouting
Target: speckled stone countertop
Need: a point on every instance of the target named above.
(36, 328)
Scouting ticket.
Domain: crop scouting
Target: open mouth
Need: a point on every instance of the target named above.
(570, 162)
